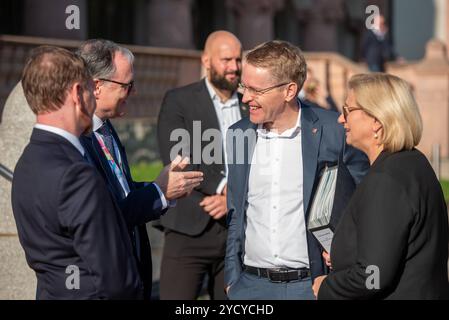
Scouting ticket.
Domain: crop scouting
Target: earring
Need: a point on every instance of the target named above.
(376, 136)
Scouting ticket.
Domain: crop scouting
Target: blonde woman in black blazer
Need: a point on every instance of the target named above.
(392, 241)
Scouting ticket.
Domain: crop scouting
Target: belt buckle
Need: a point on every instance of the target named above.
(303, 274)
(282, 272)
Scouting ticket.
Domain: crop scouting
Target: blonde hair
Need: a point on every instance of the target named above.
(285, 61)
(389, 99)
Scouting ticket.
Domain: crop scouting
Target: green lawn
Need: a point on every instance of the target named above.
(145, 171)
(445, 187)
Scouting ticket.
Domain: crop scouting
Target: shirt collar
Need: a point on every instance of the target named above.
(232, 102)
(96, 122)
(74, 140)
(289, 133)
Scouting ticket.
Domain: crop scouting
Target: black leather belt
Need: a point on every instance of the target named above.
(279, 274)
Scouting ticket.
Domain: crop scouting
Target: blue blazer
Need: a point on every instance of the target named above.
(141, 205)
(323, 139)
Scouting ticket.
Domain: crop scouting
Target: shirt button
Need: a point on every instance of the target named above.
(275, 255)
(274, 207)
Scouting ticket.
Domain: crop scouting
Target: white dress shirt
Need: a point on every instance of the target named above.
(228, 113)
(276, 227)
(63, 133)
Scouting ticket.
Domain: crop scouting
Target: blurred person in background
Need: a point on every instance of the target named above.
(377, 46)
(313, 93)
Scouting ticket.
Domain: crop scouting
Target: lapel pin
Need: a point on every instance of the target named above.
(314, 130)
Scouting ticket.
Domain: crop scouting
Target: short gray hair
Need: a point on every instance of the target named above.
(99, 55)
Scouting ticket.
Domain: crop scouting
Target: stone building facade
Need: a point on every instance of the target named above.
(314, 25)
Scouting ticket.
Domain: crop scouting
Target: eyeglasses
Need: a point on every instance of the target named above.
(347, 110)
(127, 86)
(258, 92)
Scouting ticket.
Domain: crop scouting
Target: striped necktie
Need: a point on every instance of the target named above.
(108, 140)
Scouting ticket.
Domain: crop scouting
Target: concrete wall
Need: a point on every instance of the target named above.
(17, 280)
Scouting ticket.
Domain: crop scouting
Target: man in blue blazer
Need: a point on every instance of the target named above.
(111, 67)
(276, 157)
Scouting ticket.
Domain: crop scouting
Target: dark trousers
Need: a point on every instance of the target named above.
(187, 260)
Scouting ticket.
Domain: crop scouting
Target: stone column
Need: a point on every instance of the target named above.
(254, 20)
(17, 280)
(441, 20)
(442, 28)
(430, 80)
(141, 30)
(170, 24)
(47, 18)
(445, 24)
(322, 18)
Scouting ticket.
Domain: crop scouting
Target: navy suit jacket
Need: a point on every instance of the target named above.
(323, 139)
(141, 205)
(66, 216)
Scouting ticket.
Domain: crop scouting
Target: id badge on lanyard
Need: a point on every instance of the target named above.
(115, 167)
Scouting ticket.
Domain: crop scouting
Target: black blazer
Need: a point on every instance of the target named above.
(142, 204)
(66, 216)
(180, 107)
(397, 221)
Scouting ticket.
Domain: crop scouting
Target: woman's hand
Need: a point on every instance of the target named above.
(327, 259)
(317, 284)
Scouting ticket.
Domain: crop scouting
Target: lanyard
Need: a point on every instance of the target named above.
(117, 169)
(114, 167)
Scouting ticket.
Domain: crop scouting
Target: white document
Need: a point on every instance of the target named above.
(324, 236)
(323, 201)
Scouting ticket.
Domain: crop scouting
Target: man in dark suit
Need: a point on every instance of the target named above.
(71, 229)
(111, 67)
(195, 232)
(275, 159)
(377, 47)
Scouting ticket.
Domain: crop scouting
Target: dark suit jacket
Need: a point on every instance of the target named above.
(323, 139)
(376, 52)
(396, 220)
(142, 204)
(180, 108)
(66, 216)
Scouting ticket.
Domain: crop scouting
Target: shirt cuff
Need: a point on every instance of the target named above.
(221, 185)
(164, 202)
(171, 203)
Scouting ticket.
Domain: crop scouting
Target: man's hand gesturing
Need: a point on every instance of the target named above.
(175, 183)
(215, 205)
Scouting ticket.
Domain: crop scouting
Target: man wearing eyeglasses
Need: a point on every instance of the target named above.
(270, 253)
(195, 231)
(111, 67)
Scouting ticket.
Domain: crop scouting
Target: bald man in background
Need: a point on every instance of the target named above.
(195, 230)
